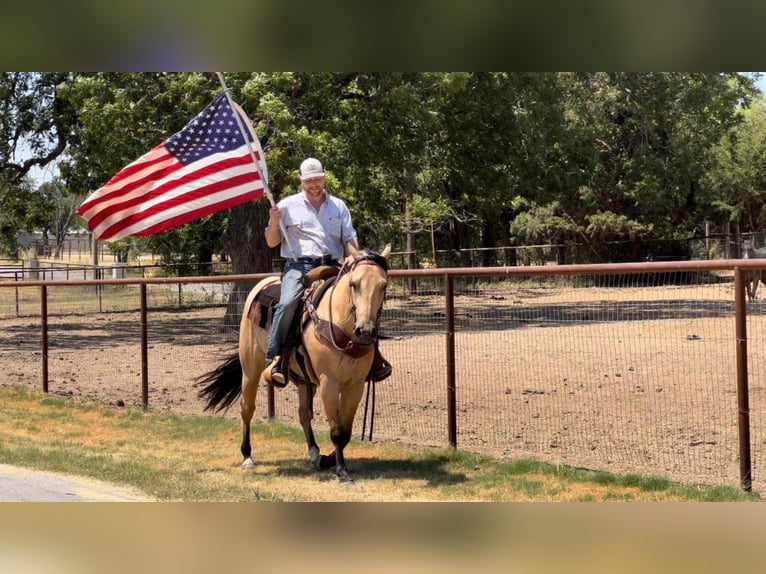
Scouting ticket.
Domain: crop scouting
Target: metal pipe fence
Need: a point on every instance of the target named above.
(652, 367)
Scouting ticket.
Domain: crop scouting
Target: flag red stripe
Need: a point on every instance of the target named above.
(111, 190)
(152, 157)
(155, 192)
(157, 156)
(197, 213)
(189, 198)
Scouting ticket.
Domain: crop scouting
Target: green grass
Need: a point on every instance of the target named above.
(517, 473)
(171, 457)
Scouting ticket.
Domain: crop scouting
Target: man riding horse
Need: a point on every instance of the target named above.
(319, 230)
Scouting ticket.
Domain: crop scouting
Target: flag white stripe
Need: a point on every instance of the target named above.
(150, 185)
(177, 192)
(179, 174)
(109, 188)
(181, 209)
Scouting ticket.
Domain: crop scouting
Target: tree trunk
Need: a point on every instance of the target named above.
(410, 248)
(205, 259)
(488, 242)
(461, 243)
(245, 243)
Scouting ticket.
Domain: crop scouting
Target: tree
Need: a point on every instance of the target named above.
(647, 138)
(14, 199)
(36, 122)
(618, 155)
(735, 185)
(51, 210)
(36, 125)
(634, 153)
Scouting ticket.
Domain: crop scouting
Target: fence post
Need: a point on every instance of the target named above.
(743, 401)
(44, 333)
(98, 275)
(449, 324)
(144, 351)
(271, 411)
(16, 289)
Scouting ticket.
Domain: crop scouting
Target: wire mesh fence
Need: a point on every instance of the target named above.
(622, 372)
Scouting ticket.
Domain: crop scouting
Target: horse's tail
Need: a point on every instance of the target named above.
(222, 385)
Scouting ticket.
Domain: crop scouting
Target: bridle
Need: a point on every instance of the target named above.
(351, 347)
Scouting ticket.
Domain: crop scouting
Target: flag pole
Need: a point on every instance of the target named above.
(266, 190)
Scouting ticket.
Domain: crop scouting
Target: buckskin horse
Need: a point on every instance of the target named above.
(755, 276)
(333, 355)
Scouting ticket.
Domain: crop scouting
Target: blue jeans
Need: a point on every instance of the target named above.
(289, 299)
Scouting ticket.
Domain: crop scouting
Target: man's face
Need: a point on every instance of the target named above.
(313, 186)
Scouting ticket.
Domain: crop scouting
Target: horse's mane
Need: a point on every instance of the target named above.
(376, 258)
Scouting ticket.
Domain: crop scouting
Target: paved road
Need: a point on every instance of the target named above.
(23, 485)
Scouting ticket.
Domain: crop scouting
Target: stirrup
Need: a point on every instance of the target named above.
(380, 370)
(273, 373)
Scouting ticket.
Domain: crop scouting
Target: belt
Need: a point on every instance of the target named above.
(324, 260)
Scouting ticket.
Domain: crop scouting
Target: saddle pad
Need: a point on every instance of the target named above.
(266, 296)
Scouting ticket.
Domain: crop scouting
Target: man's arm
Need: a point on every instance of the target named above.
(272, 234)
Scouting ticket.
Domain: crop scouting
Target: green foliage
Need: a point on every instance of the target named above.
(14, 196)
(190, 244)
(425, 214)
(543, 225)
(542, 157)
(736, 184)
(608, 226)
(128, 249)
(646, 139)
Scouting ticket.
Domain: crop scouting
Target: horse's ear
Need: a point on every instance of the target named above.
(386, 251)
(353, 250)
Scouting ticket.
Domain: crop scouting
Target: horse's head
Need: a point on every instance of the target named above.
(367, 280)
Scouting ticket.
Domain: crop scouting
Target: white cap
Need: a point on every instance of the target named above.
(311, 168)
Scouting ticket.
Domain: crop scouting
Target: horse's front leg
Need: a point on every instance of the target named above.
(340, 438)
(341, 425)
(306, 414)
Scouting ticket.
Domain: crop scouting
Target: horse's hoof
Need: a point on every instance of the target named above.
(315, 458)
(345, 478)
(248, 464)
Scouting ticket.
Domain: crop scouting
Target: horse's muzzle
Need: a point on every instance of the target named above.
(366, 333)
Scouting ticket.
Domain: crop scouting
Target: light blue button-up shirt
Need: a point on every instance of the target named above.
(315, 233)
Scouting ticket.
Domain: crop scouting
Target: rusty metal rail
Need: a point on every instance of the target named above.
(448, 275)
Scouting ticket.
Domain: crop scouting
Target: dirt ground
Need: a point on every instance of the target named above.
(636, 379)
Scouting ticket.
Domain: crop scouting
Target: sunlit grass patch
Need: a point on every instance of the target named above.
(196, 458)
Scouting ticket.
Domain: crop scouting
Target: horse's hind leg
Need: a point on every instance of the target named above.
(252, 367)
(751, 285)
(247, 409)
(305, 414)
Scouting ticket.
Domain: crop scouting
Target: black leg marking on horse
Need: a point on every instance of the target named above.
(326, 462)
(305, 414)
(245, 447)
(340, 439)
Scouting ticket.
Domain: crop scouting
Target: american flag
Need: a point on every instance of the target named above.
(204, 168)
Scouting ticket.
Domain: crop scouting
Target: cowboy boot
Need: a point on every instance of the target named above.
(273, 373)
(380, 368)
